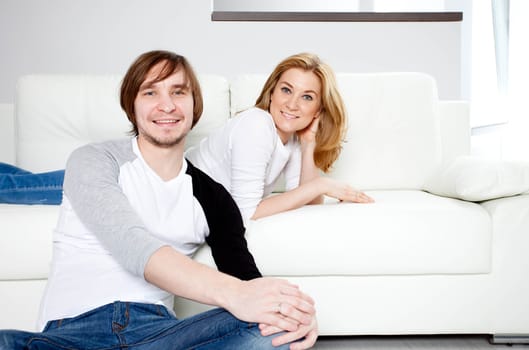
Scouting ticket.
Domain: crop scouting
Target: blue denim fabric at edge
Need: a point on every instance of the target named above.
(138, 326)
(18, 186)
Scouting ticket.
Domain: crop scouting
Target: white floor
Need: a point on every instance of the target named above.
(476, 342)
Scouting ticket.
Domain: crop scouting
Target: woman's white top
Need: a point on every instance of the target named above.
(248, 158)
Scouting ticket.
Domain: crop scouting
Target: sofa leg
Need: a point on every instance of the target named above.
(509, 339)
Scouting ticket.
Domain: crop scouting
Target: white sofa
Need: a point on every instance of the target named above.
(443, 250)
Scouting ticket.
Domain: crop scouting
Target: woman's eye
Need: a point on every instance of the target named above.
(148, 93)
(285, 90)
(307, 97)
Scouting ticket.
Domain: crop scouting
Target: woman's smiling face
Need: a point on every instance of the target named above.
(295, 101)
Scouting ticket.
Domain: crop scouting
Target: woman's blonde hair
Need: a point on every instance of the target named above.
(332, 125)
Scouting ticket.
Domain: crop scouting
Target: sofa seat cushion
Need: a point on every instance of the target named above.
(402, 233)
(26, 240)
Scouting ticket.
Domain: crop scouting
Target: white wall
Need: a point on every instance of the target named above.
(104, 36)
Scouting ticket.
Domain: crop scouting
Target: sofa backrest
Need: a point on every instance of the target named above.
(393, 139)
(55, 114)
(398, 134)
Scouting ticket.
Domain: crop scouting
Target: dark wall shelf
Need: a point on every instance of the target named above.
(336, 16)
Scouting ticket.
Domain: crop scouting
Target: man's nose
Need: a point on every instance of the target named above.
(166, 104)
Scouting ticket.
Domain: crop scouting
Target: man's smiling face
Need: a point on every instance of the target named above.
(164, 109)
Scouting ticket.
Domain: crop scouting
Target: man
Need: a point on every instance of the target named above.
(133, 213)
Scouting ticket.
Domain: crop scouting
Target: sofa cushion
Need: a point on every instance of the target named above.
(479, 179)
(393, 139)
(19, 302)
(57, 113)
(244, 91)
(26, 240)
(402, 233)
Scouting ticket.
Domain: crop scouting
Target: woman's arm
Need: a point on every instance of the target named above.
(309, 171)
(309, 189)
(312, 186)
(306, 193)
(251, 147)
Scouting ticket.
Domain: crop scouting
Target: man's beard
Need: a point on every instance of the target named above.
(167, 143)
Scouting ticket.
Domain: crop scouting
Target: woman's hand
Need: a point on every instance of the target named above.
(308, 135)
(344, 192)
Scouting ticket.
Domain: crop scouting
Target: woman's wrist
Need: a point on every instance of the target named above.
(320, 186)
(308, 147)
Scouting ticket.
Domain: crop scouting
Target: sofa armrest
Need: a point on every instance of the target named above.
(509, 287)
(478, 179)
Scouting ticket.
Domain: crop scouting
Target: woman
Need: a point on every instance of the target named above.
(18, 186)
(295, 129)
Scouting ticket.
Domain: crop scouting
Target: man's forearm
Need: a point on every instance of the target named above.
(180, 275)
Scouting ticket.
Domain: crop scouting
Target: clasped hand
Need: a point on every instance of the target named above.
(278, 306)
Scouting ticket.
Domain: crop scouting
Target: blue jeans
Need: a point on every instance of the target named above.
(136, 326)
(18, 186)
